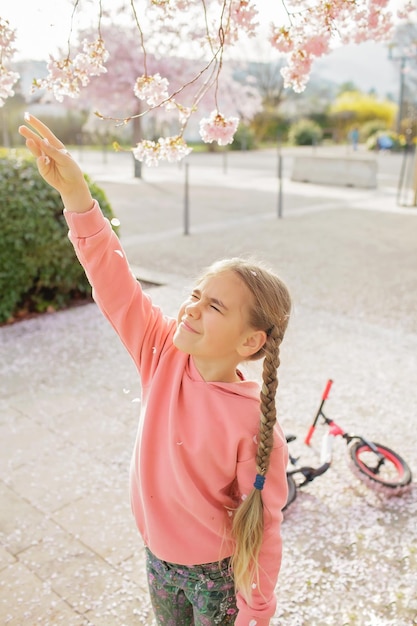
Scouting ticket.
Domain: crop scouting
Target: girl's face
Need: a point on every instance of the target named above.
(213, 326)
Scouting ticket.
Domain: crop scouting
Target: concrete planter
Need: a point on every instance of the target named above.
(335, 170)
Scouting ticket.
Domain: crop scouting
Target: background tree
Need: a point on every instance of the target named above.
(353, 108)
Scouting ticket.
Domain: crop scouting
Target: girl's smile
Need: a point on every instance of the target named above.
(184, 324)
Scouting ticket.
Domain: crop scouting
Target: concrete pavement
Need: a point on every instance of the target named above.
(69, 395)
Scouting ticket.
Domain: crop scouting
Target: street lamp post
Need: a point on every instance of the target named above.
(404, 55)
(401, 96)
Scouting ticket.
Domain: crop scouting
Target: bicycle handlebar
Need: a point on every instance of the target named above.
(327, 389)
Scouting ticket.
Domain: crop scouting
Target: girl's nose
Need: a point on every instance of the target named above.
(192, 309)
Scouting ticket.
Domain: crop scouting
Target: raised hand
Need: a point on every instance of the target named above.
(56, 165)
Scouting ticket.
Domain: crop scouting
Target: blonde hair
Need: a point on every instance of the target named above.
(269, 311)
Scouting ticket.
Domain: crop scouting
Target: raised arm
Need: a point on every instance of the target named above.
(56, 165)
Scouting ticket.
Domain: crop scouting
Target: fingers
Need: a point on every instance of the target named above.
(43, 131)
(43, 143)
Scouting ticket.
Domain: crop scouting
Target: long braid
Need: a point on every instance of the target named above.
(268, 406)
(269, 311)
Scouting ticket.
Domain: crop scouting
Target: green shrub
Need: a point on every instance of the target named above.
(372, 127)
(305, 132)
(38, 267)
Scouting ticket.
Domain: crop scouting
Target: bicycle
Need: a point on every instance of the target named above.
(379, 467)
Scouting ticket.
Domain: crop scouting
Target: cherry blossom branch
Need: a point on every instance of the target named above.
(207, 26)
(73, 12)
(142, 38)
(153, 89)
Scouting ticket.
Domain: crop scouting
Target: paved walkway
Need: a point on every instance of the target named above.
(69, 396)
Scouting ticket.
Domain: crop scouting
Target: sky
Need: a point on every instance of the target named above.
(43, 26)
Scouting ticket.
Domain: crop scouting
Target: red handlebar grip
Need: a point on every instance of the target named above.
(327, 389)
(309, 435)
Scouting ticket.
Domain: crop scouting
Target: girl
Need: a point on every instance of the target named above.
(208, 473)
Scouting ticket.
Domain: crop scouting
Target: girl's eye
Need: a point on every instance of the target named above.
(215, 308)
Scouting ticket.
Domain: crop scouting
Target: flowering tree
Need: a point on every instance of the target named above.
(203, 31)
(130, 95)
(353, 108)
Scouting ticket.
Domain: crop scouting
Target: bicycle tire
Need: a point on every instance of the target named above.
(393, 476)
(292, 491)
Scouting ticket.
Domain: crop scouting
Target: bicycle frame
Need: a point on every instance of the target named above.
(334, 430)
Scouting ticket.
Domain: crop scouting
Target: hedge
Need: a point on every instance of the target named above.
(305, 132)
(38, 267)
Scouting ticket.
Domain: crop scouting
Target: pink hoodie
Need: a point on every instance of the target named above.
(194, 457)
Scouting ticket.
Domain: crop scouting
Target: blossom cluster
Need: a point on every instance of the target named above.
(152, 89)
(215, 128)
(312, 28)
(7, 77)
(67, 76)
(218, 128)
(171, 149)
(243, 16)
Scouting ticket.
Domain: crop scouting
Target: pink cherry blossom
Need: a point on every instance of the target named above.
(297, 72)
(281, 39)
(317, 45)
(171, 149)
(184, 113)
(148, 151)
(404, 12)
(66, 76)
(7, 80)
(174, 148)
(7, 39)
(243, 14)
(152, 89)
(7, 50)
(380, 3)
(218, 128)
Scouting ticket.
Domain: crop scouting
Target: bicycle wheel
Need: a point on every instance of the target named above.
(292, 491)
(390, 474)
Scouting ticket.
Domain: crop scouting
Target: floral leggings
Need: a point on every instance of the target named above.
(196, 595)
